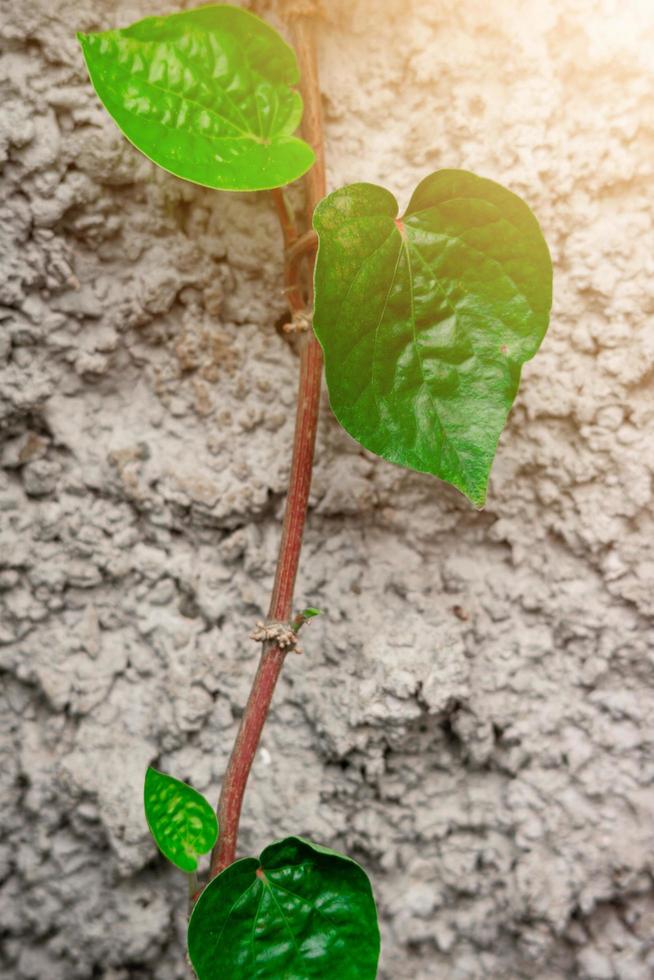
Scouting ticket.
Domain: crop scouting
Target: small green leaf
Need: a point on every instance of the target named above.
(181, 821)
(426, 322)
(310, 612)
(300, 911)
(206, 94)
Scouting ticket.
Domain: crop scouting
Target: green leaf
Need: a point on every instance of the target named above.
(426, 322)
(206, 94)
(310, 612)
(181, 821)
(299, 911)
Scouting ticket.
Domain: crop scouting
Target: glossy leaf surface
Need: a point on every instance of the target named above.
(206, 94)
(299, 911)
(426, 322)
(181, 821)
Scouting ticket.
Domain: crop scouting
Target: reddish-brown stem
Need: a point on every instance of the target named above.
(302, 247)
(286, 220)
(305, 48)
(296, 247)
(306, 421)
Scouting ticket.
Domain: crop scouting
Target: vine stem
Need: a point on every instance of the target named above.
(306, 422)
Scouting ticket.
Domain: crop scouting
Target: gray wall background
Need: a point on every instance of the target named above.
(473, 719)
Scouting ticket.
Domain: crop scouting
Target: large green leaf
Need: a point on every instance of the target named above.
(206, 94)
(299, 911)
(426, 321)
(181, 821)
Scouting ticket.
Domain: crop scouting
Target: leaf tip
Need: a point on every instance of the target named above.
(478, 499)
(476, 495)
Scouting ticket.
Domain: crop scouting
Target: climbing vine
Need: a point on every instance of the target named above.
(424, 321)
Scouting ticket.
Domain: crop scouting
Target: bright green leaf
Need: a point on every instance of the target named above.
(181, 821)
(310, 612)
(300, 911)
(426, 322)
(206, 94)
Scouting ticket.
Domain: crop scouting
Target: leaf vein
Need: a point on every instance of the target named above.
(479, 251)
(161, 88)
(416, 347)
(223, 90)
(211, 139)
(352, 283)
(285, 921)
(307, 902)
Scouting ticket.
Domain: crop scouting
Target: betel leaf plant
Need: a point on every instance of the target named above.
(425, 321)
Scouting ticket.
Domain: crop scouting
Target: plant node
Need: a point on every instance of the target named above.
(281, 634)
(300, 323)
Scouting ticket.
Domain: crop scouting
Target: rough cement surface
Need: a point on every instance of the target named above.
(473, 719)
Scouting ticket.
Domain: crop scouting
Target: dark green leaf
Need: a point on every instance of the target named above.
(299, 911)
(206, 94)
(426, 322)
(181, 821)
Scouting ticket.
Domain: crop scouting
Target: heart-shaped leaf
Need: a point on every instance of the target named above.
(426, 321)
(181, 821)
(299, 911)
(206, 94)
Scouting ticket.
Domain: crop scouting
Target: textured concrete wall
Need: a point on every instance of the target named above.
(473, 720)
